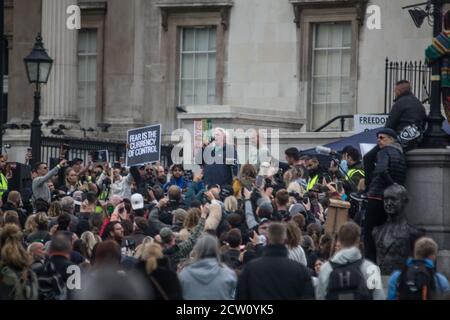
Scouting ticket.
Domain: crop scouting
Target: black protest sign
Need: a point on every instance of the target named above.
(143, 145)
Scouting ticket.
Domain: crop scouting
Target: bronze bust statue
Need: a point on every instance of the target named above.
(394, 239)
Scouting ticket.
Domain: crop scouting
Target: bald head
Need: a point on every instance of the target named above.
(36, 250)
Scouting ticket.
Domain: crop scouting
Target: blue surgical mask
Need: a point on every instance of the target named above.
(344, 166)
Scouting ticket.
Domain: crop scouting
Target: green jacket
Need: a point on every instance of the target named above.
(182, 250)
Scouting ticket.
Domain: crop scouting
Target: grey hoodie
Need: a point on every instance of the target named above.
(206, 279)
(370, 271)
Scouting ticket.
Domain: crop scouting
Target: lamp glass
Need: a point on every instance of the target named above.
(44, 71)
(32, 71)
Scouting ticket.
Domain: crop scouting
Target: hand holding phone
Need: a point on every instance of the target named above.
(247, 194)
(259, 181)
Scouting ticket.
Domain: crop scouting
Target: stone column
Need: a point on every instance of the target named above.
(59, 96)
(428, 184)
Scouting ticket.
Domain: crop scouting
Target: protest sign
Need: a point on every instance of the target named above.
(143, 145)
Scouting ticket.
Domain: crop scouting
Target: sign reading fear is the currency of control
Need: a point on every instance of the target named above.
(143, 145)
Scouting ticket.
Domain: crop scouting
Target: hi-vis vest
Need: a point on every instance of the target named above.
(312, 182)
(3, 184)
(351, 172)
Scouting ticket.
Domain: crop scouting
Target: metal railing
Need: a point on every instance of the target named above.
(416, 72)
(82, 148)
(341, 118)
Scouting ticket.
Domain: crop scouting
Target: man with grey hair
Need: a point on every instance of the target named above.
(68, 206)
(219, 160)
(37, 252)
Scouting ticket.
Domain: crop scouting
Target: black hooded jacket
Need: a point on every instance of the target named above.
(406, 110)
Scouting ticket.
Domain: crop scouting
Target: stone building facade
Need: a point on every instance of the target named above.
(286, 64)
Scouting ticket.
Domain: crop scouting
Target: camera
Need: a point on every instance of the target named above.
(225, 192)
(130, 246)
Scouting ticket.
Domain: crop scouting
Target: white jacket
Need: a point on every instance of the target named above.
(370, 271)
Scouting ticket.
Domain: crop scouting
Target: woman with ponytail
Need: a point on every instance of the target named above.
(155, 266)
(17, 281)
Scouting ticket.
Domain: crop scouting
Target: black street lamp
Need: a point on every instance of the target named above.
(38, 65)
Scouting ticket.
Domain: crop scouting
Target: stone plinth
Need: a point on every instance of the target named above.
(428, 184)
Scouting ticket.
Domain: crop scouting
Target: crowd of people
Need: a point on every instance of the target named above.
(104, 231)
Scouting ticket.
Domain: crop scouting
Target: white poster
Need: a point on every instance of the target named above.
(365, 122)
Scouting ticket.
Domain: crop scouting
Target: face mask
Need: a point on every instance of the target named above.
(344, 166)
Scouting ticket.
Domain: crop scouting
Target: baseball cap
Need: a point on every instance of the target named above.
(137, 201)
(166, 235)
(389, 132)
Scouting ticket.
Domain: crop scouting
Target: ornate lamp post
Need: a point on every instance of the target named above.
(38, 65)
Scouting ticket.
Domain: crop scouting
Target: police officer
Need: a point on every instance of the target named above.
(3, 180)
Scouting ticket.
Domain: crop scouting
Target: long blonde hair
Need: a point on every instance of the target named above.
(30, 224)
(151, 253)
(55, 209)
(12, 251)
(230, 204)
(192, 218)
(90, 240)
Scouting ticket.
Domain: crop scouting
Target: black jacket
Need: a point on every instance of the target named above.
(406, 110)
(220, 173)
(61, 265)
(274, 277)
(231, 258)
(83, 223)
(390, 168)
(162, 281)
(20, 212)
(137, 236)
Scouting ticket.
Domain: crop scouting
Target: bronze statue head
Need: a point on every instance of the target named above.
(395, 199)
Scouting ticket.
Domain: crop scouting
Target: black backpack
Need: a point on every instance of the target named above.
(347, 282)
(51, 285)
(416, 282)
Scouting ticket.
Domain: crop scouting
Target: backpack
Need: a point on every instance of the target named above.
(21, 288)
(347, 282)
(416, 282)
(51, 284)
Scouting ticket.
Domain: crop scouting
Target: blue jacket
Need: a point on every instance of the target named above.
(442, 284)
(194, 192)
(180, 182)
